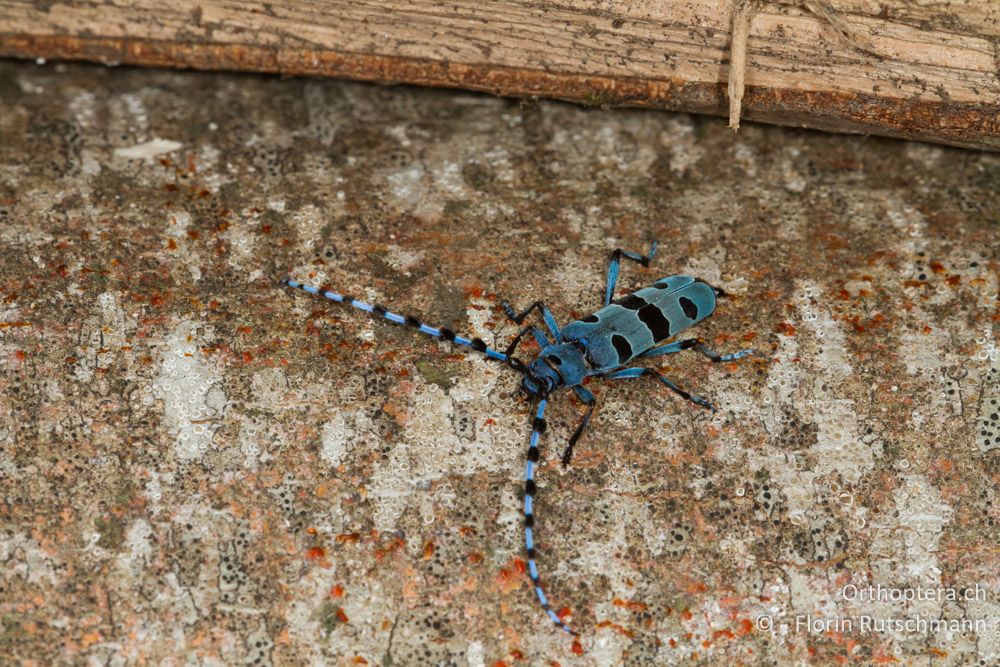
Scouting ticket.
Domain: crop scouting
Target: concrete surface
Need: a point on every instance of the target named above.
(199, 466)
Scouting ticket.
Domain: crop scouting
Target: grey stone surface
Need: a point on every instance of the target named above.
(199, 466)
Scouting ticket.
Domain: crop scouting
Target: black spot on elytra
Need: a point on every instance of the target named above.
(689, 307)
(658, 325)
(556, 361)
(632, 302)
(590, 319)
(623, 348)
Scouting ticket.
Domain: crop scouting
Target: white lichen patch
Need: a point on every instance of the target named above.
(190, 386)
(83, 106)
(794, 181)
(23, 557)
(138, 552)
(258, 439)
(907, 544)
(137, 110)
(103, 338)
(341, 433)
(838, 448)
(910, 225)
(403, 260)
(444, 435)
(148, 149)
(270, 388)
(679, 139)
(783, 375)
(178, 222)
(448, 178)
(406, 187)
(241, 241)
(828, 334)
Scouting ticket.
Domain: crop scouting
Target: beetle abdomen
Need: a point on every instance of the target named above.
(626, 328)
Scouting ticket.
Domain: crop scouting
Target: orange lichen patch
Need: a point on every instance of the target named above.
(341, 616)
(428, 550)
(337, 591)
(937, 267)
(696, 588)
(19, 323)
(933, 650)
(510, 578)
(849, 643)
(786, 328)
(620, 629)
(873, 322)
(629, 604)
(394, 545)
(348, 538)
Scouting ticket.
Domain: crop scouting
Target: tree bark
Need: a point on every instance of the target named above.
(897, 68)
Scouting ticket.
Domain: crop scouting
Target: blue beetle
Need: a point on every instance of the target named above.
(601, 344)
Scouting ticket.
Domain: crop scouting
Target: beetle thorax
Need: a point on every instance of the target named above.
(556, 366)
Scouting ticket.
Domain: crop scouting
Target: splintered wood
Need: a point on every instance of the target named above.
(898, 67)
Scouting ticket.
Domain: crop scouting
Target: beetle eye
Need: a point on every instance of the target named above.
(554, 359)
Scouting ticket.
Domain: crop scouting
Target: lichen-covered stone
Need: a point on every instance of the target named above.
(198, 465)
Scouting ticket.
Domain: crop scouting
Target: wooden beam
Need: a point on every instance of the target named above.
(899, 68)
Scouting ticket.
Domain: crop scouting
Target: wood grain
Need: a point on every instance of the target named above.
(900, 68)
